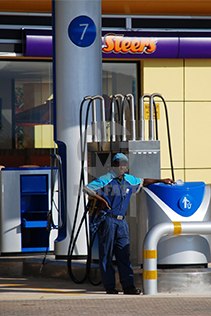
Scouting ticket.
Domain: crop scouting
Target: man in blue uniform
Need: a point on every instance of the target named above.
(114, 190)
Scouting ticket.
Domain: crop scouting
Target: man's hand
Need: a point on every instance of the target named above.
(150, 181)
(168, 181)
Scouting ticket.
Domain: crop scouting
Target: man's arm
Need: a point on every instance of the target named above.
(93, 194)
(98, 197)
(150, 181)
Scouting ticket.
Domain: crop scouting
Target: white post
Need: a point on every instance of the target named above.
(77, 73)
(150, 247)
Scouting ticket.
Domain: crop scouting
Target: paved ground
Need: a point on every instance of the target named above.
(22, 295)
(38, 296)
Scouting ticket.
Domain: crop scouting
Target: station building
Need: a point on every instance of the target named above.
(147, 47)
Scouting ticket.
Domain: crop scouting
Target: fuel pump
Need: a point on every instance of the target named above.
(99, 149)
(144, 162)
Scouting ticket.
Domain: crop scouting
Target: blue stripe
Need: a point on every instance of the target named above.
(100, 182)
(132, 180)
(34, 249)
(106, 179)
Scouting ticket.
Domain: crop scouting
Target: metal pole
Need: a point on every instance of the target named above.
(119, 105)
(103, 137)
(94, 122)
(151, 120)
(141, 122)
(132, 109)
(112, 121)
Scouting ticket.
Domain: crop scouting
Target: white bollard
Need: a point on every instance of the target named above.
(150, 247)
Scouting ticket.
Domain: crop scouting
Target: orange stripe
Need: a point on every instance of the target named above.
(177, 228)
(44, 6)
(150, 275)
(149, 254)
(128, 7)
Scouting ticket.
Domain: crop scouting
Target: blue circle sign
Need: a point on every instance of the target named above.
(186, 203)
(82, 31)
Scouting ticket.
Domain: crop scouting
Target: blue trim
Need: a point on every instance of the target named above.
(62, 151)
(34, 224)
(26, 168)
(34, 249)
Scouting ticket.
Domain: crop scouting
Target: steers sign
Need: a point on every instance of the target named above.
(132, 45)
(121, 44)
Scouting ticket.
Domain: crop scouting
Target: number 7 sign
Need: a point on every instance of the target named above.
(82, 31)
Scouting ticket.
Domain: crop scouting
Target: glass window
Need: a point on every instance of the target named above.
(120, 78)
(26, 113)
(26, 104)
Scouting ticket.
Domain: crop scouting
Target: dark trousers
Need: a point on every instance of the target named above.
(113, 239)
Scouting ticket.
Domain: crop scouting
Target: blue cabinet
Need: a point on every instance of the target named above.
(25, 200)
(34, 209)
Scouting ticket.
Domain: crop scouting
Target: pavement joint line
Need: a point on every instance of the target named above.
(63, 291)
(24, 297)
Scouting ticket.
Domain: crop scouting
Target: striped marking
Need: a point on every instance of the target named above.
(177, 228)
(149, 254)
(31, 288)
(150, 275)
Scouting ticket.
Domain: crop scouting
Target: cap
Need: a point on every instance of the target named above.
(120, 157)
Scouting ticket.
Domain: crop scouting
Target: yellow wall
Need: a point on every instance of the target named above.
(43, 136)
(185, 85)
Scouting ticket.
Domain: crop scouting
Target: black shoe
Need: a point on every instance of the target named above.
(112, 291)
(132, 290)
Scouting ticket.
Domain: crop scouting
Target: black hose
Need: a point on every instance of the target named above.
(168, 133)
(73, 238)
(156, 120)
(169, 141)
(61, 189)
(46, 252)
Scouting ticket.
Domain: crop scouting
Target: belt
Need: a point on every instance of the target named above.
(119, 217)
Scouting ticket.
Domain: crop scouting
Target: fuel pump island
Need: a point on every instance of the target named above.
(177, 256)
(169, 225)
(86, 148)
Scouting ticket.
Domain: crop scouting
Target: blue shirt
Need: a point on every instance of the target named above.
(115, 191)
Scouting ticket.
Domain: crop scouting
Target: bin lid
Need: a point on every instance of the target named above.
(183, 197)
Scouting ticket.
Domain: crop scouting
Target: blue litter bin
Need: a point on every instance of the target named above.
(184, 201)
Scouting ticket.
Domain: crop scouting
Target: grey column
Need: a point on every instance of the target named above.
(77, 73)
